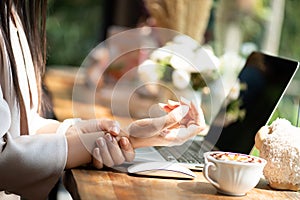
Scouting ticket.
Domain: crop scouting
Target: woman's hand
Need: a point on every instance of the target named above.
(182, 122)
(100, 138)
(194, 116)
(111, 151)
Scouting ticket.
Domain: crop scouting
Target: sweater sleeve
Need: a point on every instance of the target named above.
(29, 165)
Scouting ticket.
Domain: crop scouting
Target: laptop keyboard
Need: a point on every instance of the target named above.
(171, 154)
(189, 152)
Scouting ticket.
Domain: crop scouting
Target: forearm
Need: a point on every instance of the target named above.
(141, 142)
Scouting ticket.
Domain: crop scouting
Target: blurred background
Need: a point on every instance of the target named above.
(75, 27)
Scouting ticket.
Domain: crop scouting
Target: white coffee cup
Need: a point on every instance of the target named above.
(233, 173)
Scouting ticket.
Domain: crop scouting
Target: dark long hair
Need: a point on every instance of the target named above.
(33, 17)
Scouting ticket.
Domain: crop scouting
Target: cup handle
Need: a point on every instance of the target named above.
(205, 173)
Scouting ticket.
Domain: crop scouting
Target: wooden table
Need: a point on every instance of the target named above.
(109, 184)
(87, 183)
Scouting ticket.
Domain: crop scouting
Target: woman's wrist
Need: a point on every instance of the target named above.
(77, 152)
(140, 142)
(80, 148)
(65, 126)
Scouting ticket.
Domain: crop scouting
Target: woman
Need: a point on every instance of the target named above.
(35, 151)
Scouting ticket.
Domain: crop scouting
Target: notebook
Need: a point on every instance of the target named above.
(263, 81)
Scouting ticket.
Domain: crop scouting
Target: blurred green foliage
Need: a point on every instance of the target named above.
(290, 39)
(73, 29)
(288, 108)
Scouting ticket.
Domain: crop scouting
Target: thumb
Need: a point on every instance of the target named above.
(148, 127)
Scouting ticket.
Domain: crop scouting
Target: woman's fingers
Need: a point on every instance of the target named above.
(127, 149)
(110, 152)
(114, 150)
(198, 115)
(151, 126)
(170, 106)
(111, 126)
(104, 153)
(165, 107)
(194, 115)
(97, 159)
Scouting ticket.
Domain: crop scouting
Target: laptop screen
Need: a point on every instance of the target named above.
(261, 83)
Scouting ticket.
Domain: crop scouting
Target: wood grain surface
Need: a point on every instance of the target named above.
(109, 184)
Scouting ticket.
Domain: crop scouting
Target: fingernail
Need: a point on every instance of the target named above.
(115, 129)
(124, 142)
(100, 142)
(109, 137)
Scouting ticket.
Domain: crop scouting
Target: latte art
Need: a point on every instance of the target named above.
(225, 156)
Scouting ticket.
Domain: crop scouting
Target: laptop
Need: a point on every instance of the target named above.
(263, 81)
